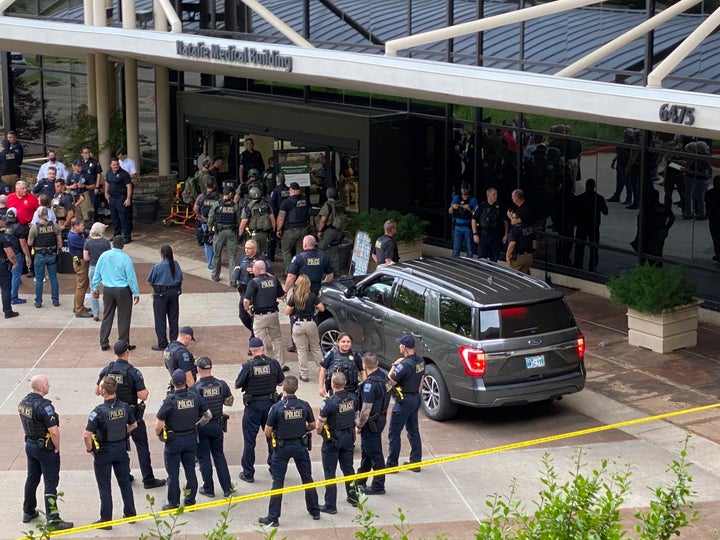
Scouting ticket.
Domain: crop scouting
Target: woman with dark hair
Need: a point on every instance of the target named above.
(166, 279)
(342, 358)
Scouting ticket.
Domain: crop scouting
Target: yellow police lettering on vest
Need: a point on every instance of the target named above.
(267, 284)
(116, 414)
(293, 414)
(346, 406)
(118, 378)
(185, 403)
(211, 391)
(261, 370)
(25, 410)
(227, 209)
(46, 228)
(313, 261)
(301, 202)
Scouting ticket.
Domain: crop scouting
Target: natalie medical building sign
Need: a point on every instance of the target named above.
(244, 55)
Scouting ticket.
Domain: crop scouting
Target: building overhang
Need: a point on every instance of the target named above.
(656, 109)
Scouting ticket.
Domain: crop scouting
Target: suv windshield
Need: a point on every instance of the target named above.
(526, 320)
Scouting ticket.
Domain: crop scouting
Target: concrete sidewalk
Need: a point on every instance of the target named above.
(624, 383)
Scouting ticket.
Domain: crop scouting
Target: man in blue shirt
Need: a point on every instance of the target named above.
(115, 271)
(461, 209)
(75, 243)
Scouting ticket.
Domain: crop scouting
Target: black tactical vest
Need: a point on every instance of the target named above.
(30, 410)
(119, 370)
(266, 296)
(46, 236)
(262, 380)
(299, 216)
(212, 391)
(345, 406)
(380, 387)
(226, 214)
(186, 411)
(291, 424)
(208, 202)
(113, 426)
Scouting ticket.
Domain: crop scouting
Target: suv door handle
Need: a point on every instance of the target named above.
(377, 319)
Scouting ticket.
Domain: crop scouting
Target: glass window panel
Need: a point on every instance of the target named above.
(455, 316)
(410, 300)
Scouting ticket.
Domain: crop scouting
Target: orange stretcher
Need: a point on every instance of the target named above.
(181, 213)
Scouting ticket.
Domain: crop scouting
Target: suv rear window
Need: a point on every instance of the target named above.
(527, 320)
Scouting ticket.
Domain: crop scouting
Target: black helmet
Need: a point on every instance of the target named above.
(255, 193)
(331, 193)
(253, 173)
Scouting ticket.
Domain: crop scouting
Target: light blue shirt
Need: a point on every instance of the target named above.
(115, 269)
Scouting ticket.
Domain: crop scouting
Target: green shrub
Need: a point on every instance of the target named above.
(409, 226)
(651, 289)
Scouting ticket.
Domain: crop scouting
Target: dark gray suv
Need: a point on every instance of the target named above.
(490, 336)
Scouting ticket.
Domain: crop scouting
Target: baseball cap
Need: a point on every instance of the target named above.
(406, 340)
(189, 331)
(256, 343)
(203, 362)
(121, 346)
(464, 185)
(178, 377)
(78, 162)
(294, 185)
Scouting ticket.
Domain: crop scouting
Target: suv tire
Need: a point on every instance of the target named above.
(328, 332)
(435, 396)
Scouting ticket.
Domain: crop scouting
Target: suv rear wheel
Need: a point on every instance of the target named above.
(435, 396)
(328, 331)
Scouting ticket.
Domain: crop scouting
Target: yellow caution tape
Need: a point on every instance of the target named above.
(388, 470)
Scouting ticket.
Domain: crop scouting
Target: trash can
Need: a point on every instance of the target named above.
(145, 208)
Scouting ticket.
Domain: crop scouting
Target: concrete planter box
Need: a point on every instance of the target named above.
(666, 332)
(410, 250)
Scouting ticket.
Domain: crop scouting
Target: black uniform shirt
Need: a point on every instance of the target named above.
(339, 410)
(374, 390)
(5, 242)
(214, 392)
(260, 376)
(177, 356)
(312, 263)
(297, 212)
(117, 182)
(128, 378)
(263, 293)
(289, 416)
(37, 415)
(181, 410)
(386, 248)
(308, 311)
(409, 373)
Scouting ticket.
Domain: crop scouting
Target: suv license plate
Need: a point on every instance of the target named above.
(532, 362)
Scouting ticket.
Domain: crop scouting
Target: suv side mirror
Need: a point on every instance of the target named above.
(351, 292)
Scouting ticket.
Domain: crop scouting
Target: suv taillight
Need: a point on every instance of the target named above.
(581, 347)
(473, 360)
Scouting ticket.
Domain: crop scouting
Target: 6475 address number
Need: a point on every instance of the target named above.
(677, 114)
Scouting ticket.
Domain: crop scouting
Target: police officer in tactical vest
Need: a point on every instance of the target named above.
(177, 355)
(289, 427)
(182, 412)
(406, 375)
(258, 379)
(342, 358)
(131, 389)
(106, 436)
(258, 217)
(243, 274)
(336, 425)
(8, 262)
(375, 399)
(203, 205)
(293, 223)
(313, 263)
(261, 299)
(45, 237)
(216, 393)
(277, 196)
(224, 219)
(40, 422)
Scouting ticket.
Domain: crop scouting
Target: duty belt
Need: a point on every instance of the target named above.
(304, 319)
(163, 288)
(186, 432)
(225, 227)
(297, 226)
(266, 312)
(291, 441)
(45, 251)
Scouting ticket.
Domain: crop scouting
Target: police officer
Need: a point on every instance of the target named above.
(385, 250)
(177, 355)
(18, 236)
(406, 375)
(257, 379)
(261, 299)
(521, 244)
(345, 359)
(83, 186)
(243, 274)
(46, 186)
(45, 237)
(63, 203)
(181, 413)
(289, 424)
(203, 205)
(131, 390)
(8, 262)
(216, 393)
(119, 192)
(336, 425)
(293, 223)
(224, 219)
(257, 216)
(375, 399)
(106, 436)
(311, 262)
(40, 422)
(330, 230)
(280, 192)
